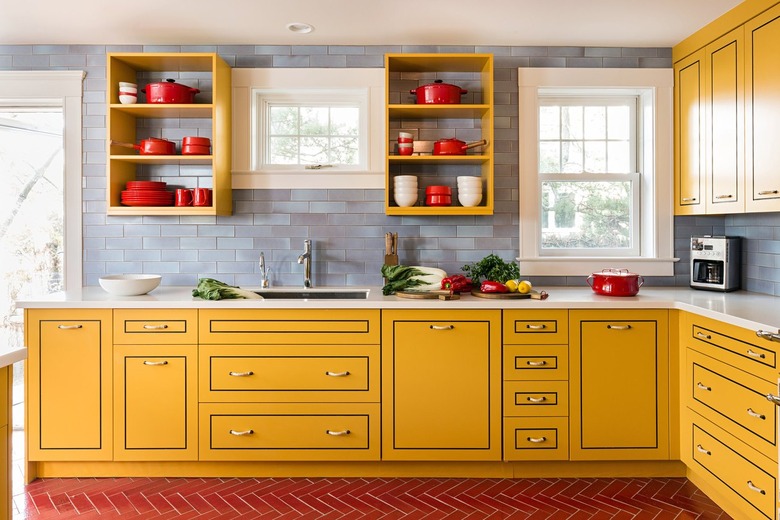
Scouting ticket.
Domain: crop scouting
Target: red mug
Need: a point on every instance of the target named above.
(201, 197)
(183, 197)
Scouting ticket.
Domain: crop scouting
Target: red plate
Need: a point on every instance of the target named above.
(147, 203)
(146, 185)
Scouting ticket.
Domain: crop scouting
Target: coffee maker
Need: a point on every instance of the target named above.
(715, 263)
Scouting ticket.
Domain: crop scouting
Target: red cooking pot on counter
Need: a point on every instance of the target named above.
(454, 146)
(438, 93)
(151, 146)
(169, 91)
(615, 282)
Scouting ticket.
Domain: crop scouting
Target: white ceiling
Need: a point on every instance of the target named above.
(618, 23)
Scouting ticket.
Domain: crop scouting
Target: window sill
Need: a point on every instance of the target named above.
(287, 180)
(570, 266)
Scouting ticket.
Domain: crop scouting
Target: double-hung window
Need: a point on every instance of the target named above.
(595, 171)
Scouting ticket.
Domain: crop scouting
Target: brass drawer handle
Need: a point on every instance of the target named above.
(754, 354)
(757, 415)
(619, 327)
(69, 327)
(540, 326)
(701, 449)
(768, 192)
(442, 327)
(537, 399)
(241, 374)
(337, 374)
(536, 439)
(155, 363)
(755, 488)
(536, 363)
(337, 433)
(688, 199)
(703, 335)
(241, 433)
(156, 327)
(704, 387)
(719, 197)
(765, 334)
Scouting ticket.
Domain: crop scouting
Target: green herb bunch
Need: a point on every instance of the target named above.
(492, 268)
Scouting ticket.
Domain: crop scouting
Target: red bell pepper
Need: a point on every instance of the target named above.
(456, 284)
(489, 286)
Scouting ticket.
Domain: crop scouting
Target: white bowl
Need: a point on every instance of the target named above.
(127, 100)
(405, 199)
(470, 190)
(406, 187)
(128, 90)
(469, 184)
(469, 178)
(123, 84)
(405, 184)
(406, 192)
(410, 178)
(129, 284)
(469, 199)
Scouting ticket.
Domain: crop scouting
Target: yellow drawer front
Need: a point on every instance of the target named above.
(536, 398)
(756, 488)
(535, 438)
(734, 401)
(161, 327)
(284, 326)
(289, 374)
(534, 362)
(289, 432)
(535, 327)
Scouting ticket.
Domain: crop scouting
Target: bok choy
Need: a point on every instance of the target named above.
(411, 278)
(210, 289)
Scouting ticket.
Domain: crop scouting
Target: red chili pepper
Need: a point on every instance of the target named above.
(489, 286)
(456, 283)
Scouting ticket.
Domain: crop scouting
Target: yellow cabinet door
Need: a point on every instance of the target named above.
(619, 385)
(68, 371)
(441, 385)
(724, 95)
(156, 407)
(689, 149)
(762, 115)
(5, 442)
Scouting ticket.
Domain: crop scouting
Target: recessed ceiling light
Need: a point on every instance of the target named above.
(300, 27)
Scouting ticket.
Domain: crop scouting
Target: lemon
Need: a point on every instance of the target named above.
(511, 285)
(524, 287)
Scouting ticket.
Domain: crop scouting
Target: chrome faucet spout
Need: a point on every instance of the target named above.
(264, 282)
(305, 259)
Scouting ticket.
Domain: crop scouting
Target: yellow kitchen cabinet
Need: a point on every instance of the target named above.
(163, 327)
(762, 115)
(441, 385)
(156, 402)
(69, 384)
(6, 380)
(689, 139)
(619, 384)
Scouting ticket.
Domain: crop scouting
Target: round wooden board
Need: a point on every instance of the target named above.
(499, 295)
(422, 295)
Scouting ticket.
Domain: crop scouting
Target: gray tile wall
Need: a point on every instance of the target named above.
(347, 226)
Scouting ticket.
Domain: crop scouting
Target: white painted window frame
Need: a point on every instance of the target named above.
(63, 89)
(246, 81)
(655, 90)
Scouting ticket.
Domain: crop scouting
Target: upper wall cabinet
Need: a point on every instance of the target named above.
(469, 122)
(209, 116)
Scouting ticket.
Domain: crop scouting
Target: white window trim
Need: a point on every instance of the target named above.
(64, 89)
(656, 94)
(247, 80)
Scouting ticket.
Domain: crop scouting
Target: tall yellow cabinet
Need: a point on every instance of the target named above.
(5, 446)
(689, 185)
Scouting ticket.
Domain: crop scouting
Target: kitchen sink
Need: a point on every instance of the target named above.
(314, 294)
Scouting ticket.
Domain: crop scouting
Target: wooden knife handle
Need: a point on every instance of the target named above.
(388, 243)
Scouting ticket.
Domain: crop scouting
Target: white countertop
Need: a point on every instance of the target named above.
(745, 309)
(9, 356)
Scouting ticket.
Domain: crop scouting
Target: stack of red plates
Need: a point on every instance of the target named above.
(147, 193)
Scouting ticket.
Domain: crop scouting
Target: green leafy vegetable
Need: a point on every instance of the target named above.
(492, 268)
(210, 289)
(416, 278)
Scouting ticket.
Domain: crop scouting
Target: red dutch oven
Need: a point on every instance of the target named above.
(454, 146)
(151, 146)
(615, 282)
(438, 93)
(195, 146)
(169, 91)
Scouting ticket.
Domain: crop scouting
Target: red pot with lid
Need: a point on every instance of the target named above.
(453, 146)
(195, 146)
(169, 91)
(438, 92)
(151, 146)
(615, 282)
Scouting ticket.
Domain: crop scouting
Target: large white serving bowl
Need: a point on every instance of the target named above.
(129, 284)
(469, 199)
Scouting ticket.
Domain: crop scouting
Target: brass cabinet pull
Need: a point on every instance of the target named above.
(69, 327)
(241, 374)
(619, 327)
(241, 433)
(536, 439)
(337, 374)
(755, 488)
(442, 327)
(162, 326)
(754, 354)
(536, 363)
(765, 334)
(773, 398)
(536, 399)
(689, 199)
(703, 450)
(155, 363)
(724, 197)
(539, 326)
(703, 335)
(337, 433)
(704, 387)
(768, 192)
(757, 415)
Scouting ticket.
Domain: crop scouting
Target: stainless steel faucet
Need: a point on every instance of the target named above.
(305, 259)
(264, 282)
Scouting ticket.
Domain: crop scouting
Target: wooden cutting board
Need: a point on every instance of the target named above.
(428, 295)
(499, 295)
